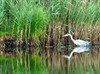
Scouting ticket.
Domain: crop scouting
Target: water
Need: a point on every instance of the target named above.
(51, 61)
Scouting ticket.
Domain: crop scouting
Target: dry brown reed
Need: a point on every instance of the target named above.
(55, 32)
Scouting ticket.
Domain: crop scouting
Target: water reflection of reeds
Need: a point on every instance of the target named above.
(22, 63)
(54, 61)
(80, 63)
(50, 61)
(86, 62)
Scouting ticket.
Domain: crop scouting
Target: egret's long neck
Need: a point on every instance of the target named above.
(71, 37)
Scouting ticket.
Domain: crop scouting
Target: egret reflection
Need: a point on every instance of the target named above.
(77, 50)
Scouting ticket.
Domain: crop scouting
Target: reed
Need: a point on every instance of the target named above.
(33, 17)
(22, 19)
(74, 11)
(81, 17)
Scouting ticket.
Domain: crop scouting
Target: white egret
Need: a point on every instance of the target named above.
(78, 42)
(77, 50)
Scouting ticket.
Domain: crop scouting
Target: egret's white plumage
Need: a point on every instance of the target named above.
(78, 42)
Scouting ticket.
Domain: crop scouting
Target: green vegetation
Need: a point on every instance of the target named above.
(67, 16)
(22, 64)
(22, 16)
(75, 11)
(29, 19)
(44, 22)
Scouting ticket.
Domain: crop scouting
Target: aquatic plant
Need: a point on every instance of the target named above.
(29, 19)
(2, 26)
(24, 15)
(72, 11)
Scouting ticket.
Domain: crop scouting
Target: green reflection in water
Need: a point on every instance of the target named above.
(22, 64)
(50, 61)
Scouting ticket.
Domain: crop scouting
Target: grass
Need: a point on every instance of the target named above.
(85, 14)
(29, 19)
(75, 11)
(81, 17)
(23, 16)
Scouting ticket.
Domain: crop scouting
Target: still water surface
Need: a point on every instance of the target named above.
(52, 61)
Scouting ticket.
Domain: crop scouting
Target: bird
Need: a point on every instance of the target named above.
(79, 42)
(77, 50)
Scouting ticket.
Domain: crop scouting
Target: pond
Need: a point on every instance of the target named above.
(52, 61)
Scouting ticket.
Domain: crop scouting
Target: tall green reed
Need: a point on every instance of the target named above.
(75, 11)
(84, 12)
(2, 26)
(25, 15)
